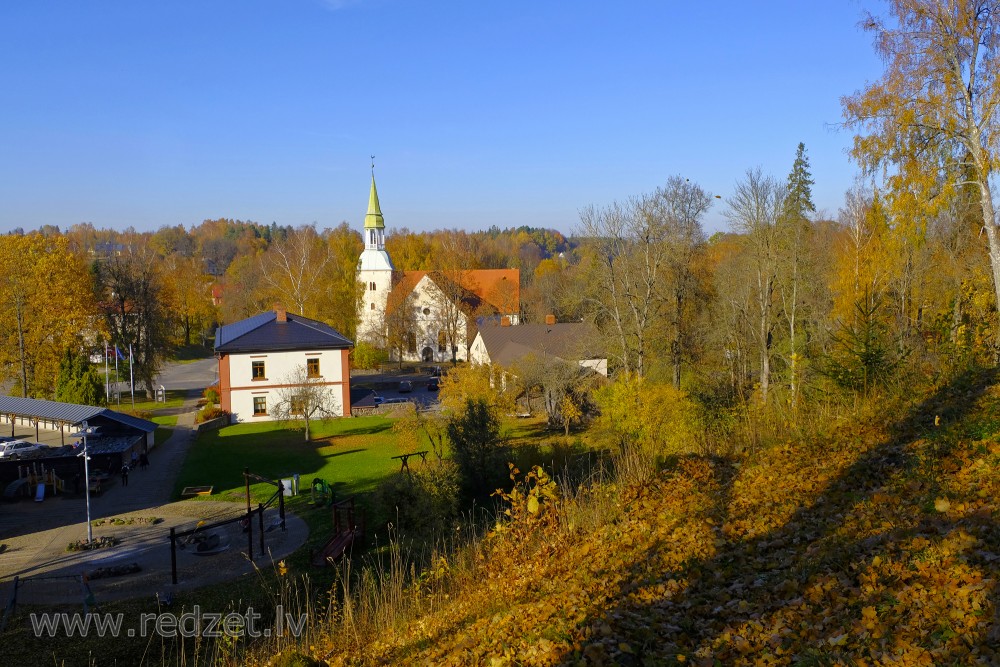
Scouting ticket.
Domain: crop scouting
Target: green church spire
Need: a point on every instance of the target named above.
(374, 219)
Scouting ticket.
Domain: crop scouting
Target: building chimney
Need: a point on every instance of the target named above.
(550, 320)
(282, 314)
(505, 321)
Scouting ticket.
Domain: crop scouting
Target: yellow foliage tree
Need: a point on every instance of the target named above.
(935, 107)
(474, 382)
(46, 307)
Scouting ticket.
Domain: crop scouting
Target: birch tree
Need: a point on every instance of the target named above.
(630, 259)
(754, 211)
(293, 267)
(936, 103)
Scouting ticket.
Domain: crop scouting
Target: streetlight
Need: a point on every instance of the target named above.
(85, 431)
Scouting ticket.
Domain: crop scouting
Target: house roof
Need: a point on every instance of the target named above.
(572, 341)
(264, 332)
(68, 413)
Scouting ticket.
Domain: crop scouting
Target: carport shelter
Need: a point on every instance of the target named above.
(68, 418)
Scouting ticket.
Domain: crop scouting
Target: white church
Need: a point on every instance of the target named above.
(429, 316)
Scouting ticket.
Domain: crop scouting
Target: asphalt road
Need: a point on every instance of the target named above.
(193, 375)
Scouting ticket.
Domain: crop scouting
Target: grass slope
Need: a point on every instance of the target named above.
(866, 545)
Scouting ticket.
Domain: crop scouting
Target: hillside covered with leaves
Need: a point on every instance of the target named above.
(858, 544)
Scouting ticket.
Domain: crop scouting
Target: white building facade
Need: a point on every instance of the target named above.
(263, 357)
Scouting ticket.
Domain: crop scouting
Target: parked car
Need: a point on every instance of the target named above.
(432, 384)
(405, 387)
(19, 449)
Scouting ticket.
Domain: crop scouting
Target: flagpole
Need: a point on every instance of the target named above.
(107, 376)
(131, 375)
(117, 392)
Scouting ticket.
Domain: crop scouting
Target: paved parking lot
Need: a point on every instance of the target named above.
(386, 385)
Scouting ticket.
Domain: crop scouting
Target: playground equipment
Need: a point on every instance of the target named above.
(17, 487)
(322, 493)
(33, 478)
(347, 527)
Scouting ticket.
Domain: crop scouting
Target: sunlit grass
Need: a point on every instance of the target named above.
(351, 454)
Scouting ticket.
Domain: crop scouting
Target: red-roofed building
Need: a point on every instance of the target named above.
(429, 316)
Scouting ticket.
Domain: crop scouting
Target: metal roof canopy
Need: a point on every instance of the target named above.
(68, 413)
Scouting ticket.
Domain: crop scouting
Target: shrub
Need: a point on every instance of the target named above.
(648, 422)
(208, 413)
(211, 394)
(478, 448)
(367, 356)
(424, 501)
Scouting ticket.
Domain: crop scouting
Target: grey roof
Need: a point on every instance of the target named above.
(572, 341)
(264, 333)
(69, 413)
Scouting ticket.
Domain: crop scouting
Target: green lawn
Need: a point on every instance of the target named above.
(164, 420)
(352, 454)
(175, 398)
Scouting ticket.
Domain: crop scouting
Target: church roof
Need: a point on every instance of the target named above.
(499, 288)
(374, 219)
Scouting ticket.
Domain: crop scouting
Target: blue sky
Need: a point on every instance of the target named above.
(479, 113)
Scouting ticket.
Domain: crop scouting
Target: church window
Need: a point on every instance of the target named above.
(371, 286)
(411, 342)
(427, 311)
(442, 342)
(373, 306)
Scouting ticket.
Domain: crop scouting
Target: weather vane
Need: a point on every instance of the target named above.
(373, 164)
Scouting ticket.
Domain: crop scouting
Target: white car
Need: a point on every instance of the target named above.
(19, 449)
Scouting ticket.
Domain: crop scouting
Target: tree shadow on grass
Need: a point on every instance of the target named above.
(811, 565)
(371, 429)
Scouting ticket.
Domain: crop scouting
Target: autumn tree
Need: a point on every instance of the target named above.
(452, 309)
(684, 205)
(244, 293)
(935, 106)
(137, 306)
(45, 309)
(627, 268)
(341, 297)
(293, 269)
(192, 290)
(863, 265)
(475, 382)
(399, 324)
(754, 211)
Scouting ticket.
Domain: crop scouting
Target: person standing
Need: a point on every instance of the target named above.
(125, 475)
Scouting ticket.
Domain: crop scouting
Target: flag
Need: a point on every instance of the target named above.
(118, 354)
